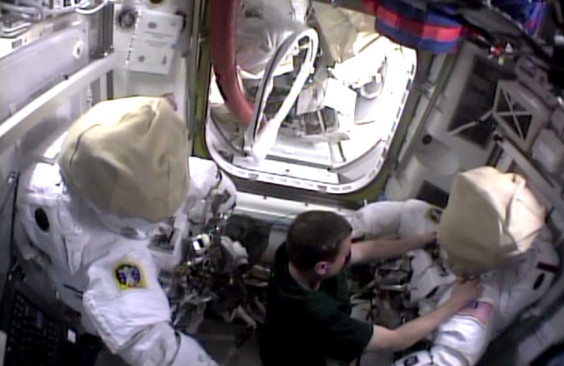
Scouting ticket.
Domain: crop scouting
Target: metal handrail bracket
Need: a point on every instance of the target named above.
(16, 126)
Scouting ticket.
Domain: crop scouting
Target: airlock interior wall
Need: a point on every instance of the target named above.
(451, 137)
(28, 72)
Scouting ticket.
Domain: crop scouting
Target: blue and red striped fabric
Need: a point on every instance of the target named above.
(417, 28)
(536, 17)
(528, 13)
(432, 31)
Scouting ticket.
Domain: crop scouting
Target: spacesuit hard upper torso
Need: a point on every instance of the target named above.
(104, 268)
(462, 339)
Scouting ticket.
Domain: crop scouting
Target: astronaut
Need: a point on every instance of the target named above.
(493, 228)
(87, 219)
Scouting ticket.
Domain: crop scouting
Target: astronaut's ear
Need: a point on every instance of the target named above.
(321, 268)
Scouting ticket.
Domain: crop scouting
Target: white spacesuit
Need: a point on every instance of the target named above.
(87, 220)
(461, 340)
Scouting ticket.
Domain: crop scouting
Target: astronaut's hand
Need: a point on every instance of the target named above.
(465, 292)
(429, 239)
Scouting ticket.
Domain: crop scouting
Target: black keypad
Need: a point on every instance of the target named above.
(33, 337)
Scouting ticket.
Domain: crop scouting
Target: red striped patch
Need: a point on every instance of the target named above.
(421, 30)
(371, 6)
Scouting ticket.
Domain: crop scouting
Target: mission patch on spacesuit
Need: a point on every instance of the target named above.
(129, 276)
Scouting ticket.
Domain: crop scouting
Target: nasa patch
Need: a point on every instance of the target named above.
(129, 276)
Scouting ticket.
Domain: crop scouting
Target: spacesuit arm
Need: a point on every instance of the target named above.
(130, 312)
(394, 219)
(373, 250)
(378, 219)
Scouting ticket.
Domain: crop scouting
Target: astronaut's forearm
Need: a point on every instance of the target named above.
(410, 333)
(415, 330)
(373, 250)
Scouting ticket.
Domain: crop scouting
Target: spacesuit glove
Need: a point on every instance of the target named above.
(190, 353)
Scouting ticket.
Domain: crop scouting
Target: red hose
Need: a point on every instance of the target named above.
(223, 42)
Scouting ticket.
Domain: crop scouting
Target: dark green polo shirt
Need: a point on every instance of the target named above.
(306, 327)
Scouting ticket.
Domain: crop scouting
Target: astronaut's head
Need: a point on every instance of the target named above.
(128, 158)
(491, 220)
(319, 243)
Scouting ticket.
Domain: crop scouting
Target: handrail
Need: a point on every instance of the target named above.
(16, 126)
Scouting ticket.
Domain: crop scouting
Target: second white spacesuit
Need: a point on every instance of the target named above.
(463, 339)
(88, 219)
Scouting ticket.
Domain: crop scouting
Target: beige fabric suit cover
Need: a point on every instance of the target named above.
(491, 219)
(129, 157)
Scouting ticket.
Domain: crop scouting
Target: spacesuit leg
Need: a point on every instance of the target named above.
(464, 336)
